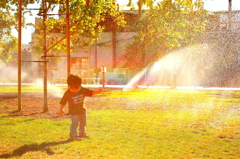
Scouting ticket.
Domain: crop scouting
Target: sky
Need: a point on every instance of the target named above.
(211, 5)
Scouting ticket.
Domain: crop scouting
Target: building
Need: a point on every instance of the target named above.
(87, 62)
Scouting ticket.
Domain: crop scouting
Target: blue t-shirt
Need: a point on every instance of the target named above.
(76, 100)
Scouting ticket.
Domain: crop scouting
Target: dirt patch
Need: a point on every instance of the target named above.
(32, 105)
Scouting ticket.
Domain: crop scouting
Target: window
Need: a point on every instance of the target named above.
(79, 62)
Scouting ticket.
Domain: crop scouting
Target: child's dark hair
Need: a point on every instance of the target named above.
(74, 81)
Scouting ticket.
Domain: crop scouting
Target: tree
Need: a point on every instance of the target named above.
(9, 22)
(7, 41)
(87, 22)
(86, 18)
(166, 26)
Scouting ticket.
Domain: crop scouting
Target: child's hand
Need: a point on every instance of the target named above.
(60, 112)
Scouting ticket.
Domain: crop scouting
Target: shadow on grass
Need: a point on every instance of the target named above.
(34, 147)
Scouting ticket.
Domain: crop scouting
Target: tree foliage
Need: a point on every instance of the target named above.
(8, 23)
(86, 22)
(86, 18)
(166, 26)
(7, 41)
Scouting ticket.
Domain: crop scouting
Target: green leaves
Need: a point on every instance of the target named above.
(7, 41)
(170, 25)
(86, 21)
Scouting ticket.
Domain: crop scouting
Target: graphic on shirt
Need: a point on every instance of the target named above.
(78, 99)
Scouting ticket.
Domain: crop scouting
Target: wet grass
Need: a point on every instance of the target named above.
(139, 124)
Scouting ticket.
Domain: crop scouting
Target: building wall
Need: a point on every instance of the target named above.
(104, 50)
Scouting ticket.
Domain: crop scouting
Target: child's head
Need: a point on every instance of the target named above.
(74, 82)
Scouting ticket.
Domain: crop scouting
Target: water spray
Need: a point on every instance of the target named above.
(180, 68)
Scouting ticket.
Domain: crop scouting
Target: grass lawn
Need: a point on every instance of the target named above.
(141, 124)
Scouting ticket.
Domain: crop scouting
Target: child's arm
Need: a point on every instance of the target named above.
(60, 111)
(100, 90)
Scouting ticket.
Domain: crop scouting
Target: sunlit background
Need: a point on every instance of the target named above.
(208, 64)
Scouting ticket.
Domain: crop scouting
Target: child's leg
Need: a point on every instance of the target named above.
(83, 122)
(74, 125)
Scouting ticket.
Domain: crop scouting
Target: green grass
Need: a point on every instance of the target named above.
(161, 124)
